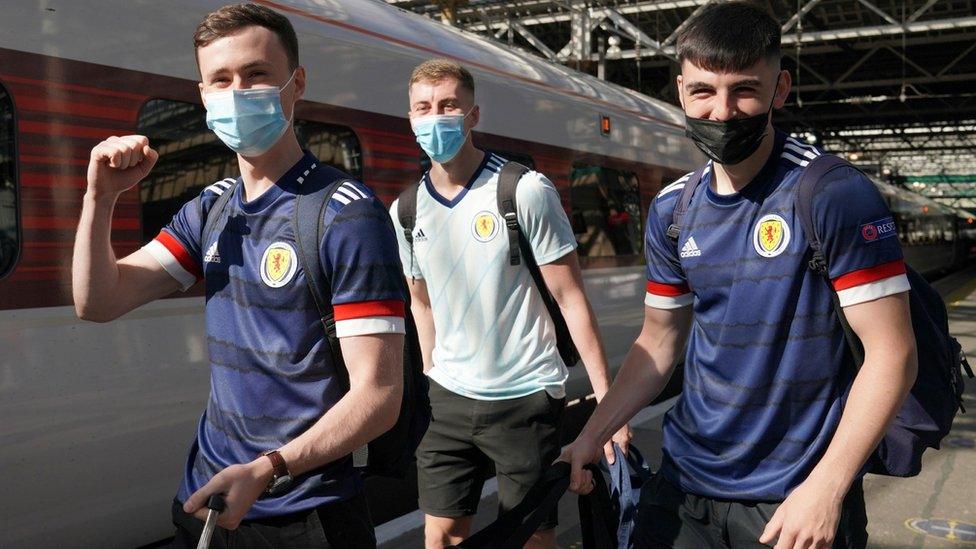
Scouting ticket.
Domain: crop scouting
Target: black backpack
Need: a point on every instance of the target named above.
(518, 247)
(392, 453)
(926, 416)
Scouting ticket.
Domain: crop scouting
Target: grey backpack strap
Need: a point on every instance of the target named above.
(407, 215)
(214, 214)
(806, 188)
(508, 180)
(681, 208)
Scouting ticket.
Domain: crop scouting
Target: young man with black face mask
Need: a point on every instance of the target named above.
(767, 442)
(281, 422)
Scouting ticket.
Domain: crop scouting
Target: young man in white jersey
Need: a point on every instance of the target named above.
(489, 344)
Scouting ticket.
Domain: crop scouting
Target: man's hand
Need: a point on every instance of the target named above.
(622, 438)
(807, 519)
(118, 163)
(241, 486)
(582, 451)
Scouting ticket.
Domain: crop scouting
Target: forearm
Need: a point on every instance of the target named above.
(876, 395)
(643, 375)
(360, 416)
(583, 328)
(424, 320)
(94, 269)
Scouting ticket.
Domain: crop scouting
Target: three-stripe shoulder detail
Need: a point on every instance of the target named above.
(219, 187)
(349, 192)
(799, 153)
(495, 162)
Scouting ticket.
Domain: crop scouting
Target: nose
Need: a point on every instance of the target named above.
(724, 108)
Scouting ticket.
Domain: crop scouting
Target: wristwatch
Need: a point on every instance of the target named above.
(280, 479)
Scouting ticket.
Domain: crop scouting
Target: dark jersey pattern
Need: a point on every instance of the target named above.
(767, 368)
(271, 372)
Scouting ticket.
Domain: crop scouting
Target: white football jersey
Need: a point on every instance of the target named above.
(494, 337)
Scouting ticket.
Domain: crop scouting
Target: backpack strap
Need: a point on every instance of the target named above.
(508, 180)
(308, 224)
(681, 208)
(407, 215)
(520, 249)
(806, 189)
(214, 214)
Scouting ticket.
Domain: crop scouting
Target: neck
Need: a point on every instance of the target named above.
(730, 179)
(261, 172)
(451, 176)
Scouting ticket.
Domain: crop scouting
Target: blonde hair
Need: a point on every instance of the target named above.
(435, 70)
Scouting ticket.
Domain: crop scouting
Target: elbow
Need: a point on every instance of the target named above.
(85, 311)
(389, 409)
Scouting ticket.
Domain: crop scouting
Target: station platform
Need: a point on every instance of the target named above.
(935, 509)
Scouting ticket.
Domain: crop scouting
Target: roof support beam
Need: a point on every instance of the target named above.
(878, 11)
(792, 21)
(921, 11)
(634, 32)
(531, 39)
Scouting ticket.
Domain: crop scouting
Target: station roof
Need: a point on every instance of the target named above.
(890, 83)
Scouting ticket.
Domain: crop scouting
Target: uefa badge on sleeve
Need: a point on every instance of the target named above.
(278, 265)
(771, 235)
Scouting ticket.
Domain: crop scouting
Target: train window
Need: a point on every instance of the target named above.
(606, 211)
(9, 241)
(334, 145)
(192, 157)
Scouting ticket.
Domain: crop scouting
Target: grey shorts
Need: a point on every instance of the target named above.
(520, 436)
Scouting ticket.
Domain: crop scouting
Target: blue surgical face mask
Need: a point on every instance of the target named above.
(440, 135)
(248, 121)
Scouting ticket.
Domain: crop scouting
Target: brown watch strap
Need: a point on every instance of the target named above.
(278, 463)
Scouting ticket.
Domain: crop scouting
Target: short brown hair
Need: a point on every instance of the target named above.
(436, 70)
(730, 37)
(232, 18)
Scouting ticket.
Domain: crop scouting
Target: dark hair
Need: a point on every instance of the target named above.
(230, 19)
(730, 37)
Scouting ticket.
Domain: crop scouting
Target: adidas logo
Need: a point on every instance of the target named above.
(212, 256)
(419, 236)
(690, 249)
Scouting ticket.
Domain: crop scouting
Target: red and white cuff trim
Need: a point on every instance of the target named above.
(174, 259)
(871, 283)
(874, 290)
(369, 317)
(668, 296)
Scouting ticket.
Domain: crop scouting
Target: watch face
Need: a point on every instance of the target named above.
(279, 485)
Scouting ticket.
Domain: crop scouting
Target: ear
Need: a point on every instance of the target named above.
(299, 83)
(782, 89)
(475, 116)
(681, 97)
(200, 87)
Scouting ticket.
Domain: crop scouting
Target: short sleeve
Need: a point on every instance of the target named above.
(359, 255)
(859, 238)
(411, 267)
(177, 247)
(542, 218)
(667, 286)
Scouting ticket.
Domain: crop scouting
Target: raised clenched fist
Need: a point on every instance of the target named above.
(118, 163)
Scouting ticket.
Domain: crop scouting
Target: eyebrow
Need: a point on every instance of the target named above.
(251, 65)
(744, 82)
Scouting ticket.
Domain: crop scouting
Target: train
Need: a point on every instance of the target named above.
(97, 418)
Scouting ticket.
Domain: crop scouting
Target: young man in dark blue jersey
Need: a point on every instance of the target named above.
(280, 424)
(767, 442)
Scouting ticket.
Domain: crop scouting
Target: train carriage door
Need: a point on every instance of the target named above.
(9, 218)
(606, 211)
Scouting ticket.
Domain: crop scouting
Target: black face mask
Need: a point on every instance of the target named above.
(731, 141)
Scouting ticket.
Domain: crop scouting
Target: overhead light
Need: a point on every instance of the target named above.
(613, 52)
